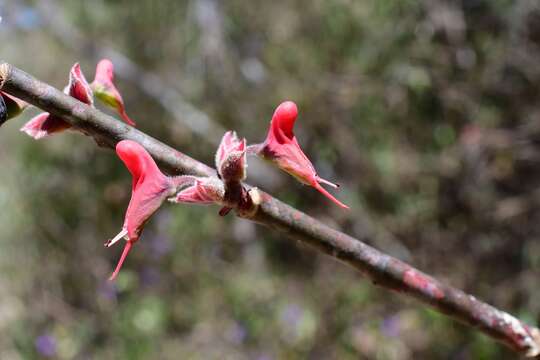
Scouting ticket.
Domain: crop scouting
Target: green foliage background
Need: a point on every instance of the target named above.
(426, 112)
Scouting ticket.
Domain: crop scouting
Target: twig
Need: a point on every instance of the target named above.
(382, 269)
(168, 97)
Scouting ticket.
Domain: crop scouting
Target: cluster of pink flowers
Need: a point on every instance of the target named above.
(102, 87)
(150, 187)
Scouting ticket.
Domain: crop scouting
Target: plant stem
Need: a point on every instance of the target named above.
(382, 269)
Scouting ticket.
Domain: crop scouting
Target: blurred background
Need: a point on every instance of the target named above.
(427, 112)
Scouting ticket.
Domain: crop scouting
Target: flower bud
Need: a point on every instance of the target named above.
(46, 124)
(231, 160)
(150, 188)
(281, 148)
(199, 190)
(105, 90)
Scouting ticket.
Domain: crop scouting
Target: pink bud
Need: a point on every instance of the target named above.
(78, 86)
(283, 150)
(43, 125)
(105, 90)
(46, 124)
(231, 160)
(150, 188)
(200, 190)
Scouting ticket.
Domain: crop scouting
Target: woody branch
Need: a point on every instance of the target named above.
(383, 270)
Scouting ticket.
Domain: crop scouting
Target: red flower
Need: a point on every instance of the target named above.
(46, 124)
(231, 160)
(105, 90)
(78, 86)
(283, 150)
(149, 189)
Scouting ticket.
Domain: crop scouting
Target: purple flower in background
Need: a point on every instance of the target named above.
(160, 246)
(236, 333)
(108, 291)
(46, 345)
(291, 316)
(390, 326)
(149, 276)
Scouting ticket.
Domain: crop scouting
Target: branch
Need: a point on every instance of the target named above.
(150, 83)
(382, 269)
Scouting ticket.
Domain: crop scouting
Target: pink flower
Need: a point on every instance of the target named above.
(46, 124)
(10, 106)
(200, 190)
(282, 149)
(78, 86)
(231, 160)
(105, 90)
(149, 189)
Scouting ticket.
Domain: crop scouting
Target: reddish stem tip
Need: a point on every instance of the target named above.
(125, 252)
(330, 196)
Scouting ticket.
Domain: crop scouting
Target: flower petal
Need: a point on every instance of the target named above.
(282, 149)
(201, 190)
(283, 121)
(78, 86)
(106, 91)
(226, 141)
(150, 188)
(138, 161)
(231, 162)
(44, 125)
(123, 257)
(328, 195)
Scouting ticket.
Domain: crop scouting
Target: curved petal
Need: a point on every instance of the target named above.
(231, 159)
(123, 257)
(44, 125)
(282, 149)
(137, 160)
(78, 86)
(283, 122)
(105, 90)
(150, 186)
(201, 190)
